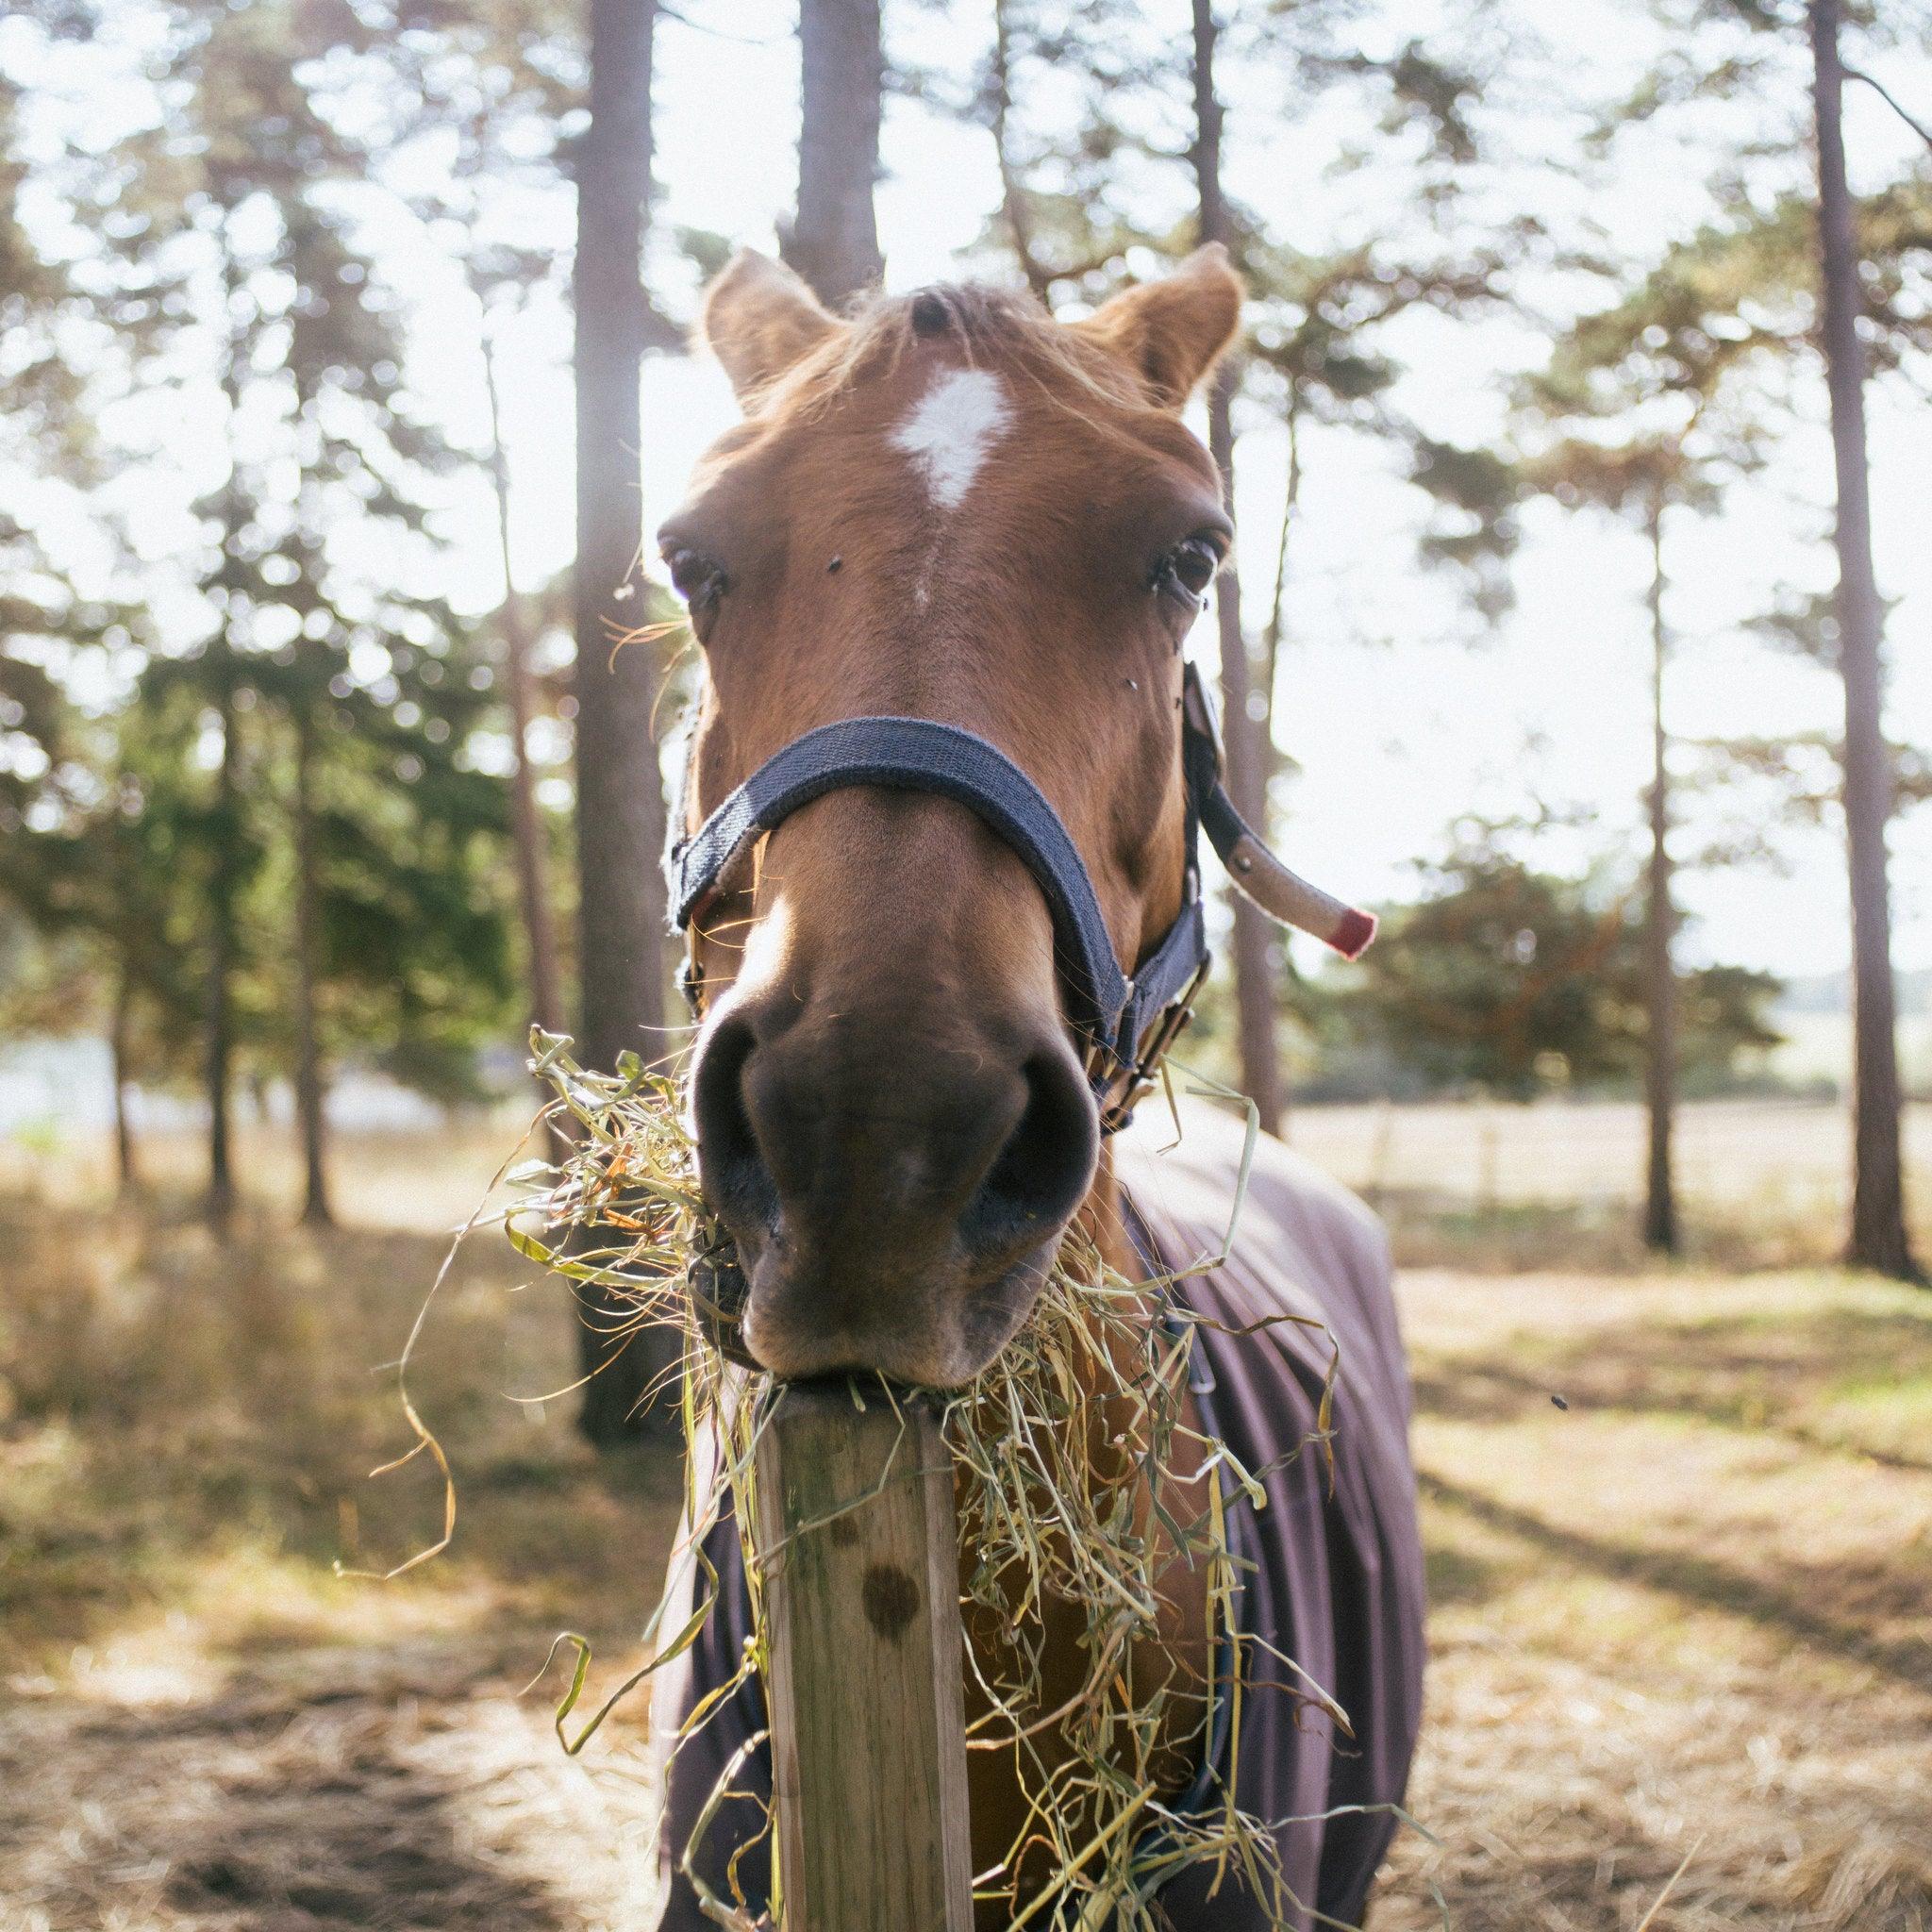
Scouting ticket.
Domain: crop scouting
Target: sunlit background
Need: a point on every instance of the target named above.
(1676, 1501)
(1400, 707)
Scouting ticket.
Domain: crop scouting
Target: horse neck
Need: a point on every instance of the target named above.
(1102, 1217)
(1115, 1445)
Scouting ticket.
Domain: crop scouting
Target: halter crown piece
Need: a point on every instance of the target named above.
(1127, 1021)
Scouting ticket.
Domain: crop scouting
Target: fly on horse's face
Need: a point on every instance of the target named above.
(953, 509)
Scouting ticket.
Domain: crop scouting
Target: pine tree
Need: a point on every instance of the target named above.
(1643, 480)
(313, 537)
(833, 238)
(1778, 48)
(1878, 1237)
(489, 87)
(620, 805)
(76, 864)
(1242, 721)
(94, 859)
(1614, 432)
(486, 92)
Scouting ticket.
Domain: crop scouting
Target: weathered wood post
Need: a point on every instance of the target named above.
(868, 1730)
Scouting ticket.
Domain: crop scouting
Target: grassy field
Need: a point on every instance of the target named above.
(202, 1725)
(1689, 1615)
(1762, 1181)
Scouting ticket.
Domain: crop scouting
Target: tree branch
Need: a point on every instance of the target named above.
(1013, 207)
(1886, 95)
(717, 33)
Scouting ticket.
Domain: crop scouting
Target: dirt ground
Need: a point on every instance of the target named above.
(202, 1725)
(1687, 1617)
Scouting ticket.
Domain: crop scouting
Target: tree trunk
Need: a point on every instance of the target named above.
(1878, 1237)
(219, 1048)
(1254, 988)
(526, 822)
(620, 805)
(1277, 602)
(1254, 975)
(218, 1019)
(310, 1109)
(126, 1160)
(1661, 920)
(834, 241)
(1015, 208)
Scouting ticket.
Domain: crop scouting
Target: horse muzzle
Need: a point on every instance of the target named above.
(895, 1195)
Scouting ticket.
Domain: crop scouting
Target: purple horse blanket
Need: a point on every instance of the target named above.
(1336, 1575)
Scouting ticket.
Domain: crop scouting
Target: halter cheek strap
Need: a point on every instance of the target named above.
(1128, 1022)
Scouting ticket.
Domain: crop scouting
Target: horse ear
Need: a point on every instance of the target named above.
(1174, 331)
(759, 319)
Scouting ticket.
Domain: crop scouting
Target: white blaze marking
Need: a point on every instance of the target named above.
(949, 433)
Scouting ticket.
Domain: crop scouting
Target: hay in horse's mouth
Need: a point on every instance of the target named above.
(1065, 1449)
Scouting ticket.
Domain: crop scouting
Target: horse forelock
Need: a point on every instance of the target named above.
(990, 327)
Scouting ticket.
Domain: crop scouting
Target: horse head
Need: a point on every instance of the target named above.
(949, 507)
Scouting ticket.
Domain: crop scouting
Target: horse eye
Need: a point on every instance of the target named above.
(1190, 567)
(701, 583)
(694, 576)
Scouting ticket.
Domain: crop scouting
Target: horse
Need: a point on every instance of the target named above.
(947, 766)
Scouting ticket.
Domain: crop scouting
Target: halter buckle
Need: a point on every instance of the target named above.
(1138, 1077)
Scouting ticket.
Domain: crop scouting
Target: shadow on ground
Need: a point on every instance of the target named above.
(1691, 1615)
(387, 1789)
(1686, 1618)
(205, 1728)
(1856, 1382)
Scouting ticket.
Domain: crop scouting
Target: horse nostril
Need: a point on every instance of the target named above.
(1043, 1172)
(736, 1180)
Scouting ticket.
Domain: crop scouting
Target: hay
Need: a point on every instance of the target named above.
(1077, 1480)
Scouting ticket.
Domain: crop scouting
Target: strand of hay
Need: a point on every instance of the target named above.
(1068, 1452)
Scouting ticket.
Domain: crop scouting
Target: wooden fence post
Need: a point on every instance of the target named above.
(868, 1729)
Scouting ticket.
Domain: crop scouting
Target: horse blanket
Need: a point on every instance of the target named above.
(1336, 1575)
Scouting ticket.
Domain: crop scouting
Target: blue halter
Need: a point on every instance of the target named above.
(1128, 1021)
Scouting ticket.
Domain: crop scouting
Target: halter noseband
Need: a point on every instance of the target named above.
(1128, 1022)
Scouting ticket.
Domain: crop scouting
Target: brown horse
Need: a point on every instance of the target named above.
(954, 508)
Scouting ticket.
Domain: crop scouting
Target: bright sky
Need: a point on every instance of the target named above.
(1401, 714)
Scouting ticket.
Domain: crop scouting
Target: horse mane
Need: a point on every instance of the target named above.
(990, 324)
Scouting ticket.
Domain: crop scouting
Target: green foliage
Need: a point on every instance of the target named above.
(1476, 493)
(106, 865)
(368, 694)
(349, 695)
(1496, 979)
(1516, 981)
(219, 256)
(1735, 301)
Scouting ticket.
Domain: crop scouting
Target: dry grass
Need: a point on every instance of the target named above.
(1060, 1526)
(203, 1727)
(1493, 1188)
(410, 1181)
(1761, 1183)
(1692, 1611)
